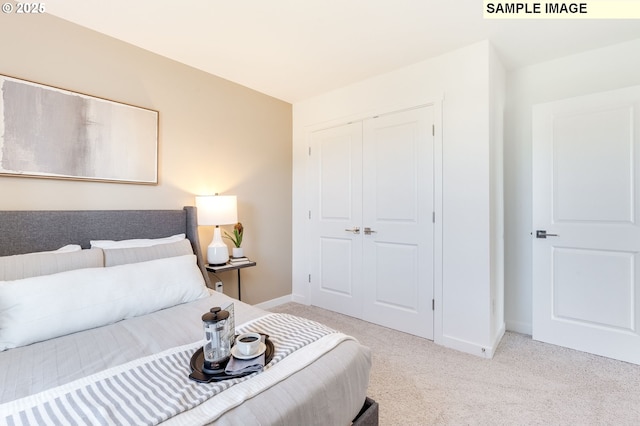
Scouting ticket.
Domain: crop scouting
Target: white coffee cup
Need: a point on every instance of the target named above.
(248, 343)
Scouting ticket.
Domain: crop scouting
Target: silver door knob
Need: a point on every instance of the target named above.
(355, 230)
(369, 231)
(540, 233)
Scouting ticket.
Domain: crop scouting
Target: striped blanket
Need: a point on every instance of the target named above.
(156, 389)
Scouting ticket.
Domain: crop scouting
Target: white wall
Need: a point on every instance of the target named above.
(459, 82)
(497, 93)
(598, 70)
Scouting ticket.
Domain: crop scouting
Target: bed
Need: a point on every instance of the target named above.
(63, 341)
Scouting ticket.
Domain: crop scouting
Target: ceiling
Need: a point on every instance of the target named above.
(296, 49)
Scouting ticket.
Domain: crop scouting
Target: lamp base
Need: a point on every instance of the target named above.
(217, 255)
(217, 251)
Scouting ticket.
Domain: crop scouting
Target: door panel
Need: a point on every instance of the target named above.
(335, 206)
(586, 182)
(335, 152)
(593, 154)
(593, 287)
(398, 205)
(394, 164)
(403, 293)
(337, 281)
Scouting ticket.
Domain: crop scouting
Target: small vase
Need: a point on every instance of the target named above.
(237, 252)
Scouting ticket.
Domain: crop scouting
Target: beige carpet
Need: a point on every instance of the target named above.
(417, 382)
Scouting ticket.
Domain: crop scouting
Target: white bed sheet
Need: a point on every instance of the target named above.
(330, 391)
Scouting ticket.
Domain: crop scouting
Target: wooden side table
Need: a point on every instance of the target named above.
(232, 267)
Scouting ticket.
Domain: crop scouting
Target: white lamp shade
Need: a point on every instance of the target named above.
(217, 209)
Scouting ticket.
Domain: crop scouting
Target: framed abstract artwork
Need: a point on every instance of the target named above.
(49, 132)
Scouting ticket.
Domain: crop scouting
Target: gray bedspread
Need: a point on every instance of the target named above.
(330, 391)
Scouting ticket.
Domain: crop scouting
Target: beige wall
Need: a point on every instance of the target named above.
(215, 136)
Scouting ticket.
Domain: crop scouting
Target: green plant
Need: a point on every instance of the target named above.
(236, 238)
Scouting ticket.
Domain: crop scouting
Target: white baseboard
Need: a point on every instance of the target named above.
(497, 339)
(300, 299)
(465, 346)
(471, 347)
(275, 302)
(520, 327)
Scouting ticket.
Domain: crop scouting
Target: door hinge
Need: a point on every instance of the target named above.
(309, 277)
(433, 304)
(309, 214)
(433, 130)
(433, 217)
(309, 151)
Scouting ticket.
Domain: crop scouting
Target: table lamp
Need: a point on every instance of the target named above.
(217, 210)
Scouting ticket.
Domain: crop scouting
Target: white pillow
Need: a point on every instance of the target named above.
(68, 248)
(121, 256)
(136, 243)
(29, 265)
(64, 249)
(41, 308)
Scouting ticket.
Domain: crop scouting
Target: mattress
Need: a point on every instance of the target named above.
(331, 390)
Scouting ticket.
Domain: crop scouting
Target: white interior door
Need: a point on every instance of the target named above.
(382, 180)
(397, 207)
(585, 191)
(336, 215)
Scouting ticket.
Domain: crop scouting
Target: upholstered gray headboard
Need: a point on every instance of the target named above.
(40, 230)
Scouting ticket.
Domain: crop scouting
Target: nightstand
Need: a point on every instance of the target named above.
(232, 267)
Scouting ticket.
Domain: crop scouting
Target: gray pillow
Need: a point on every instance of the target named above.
(29, 265)
(122, 256)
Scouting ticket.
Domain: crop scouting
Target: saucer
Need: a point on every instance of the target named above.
(197, 363)
(236, 353)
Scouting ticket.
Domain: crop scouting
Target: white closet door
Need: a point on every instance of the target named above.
(398, 197)
(335, 214)
(382, 180)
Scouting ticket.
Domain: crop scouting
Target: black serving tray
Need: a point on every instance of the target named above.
(197, 363)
